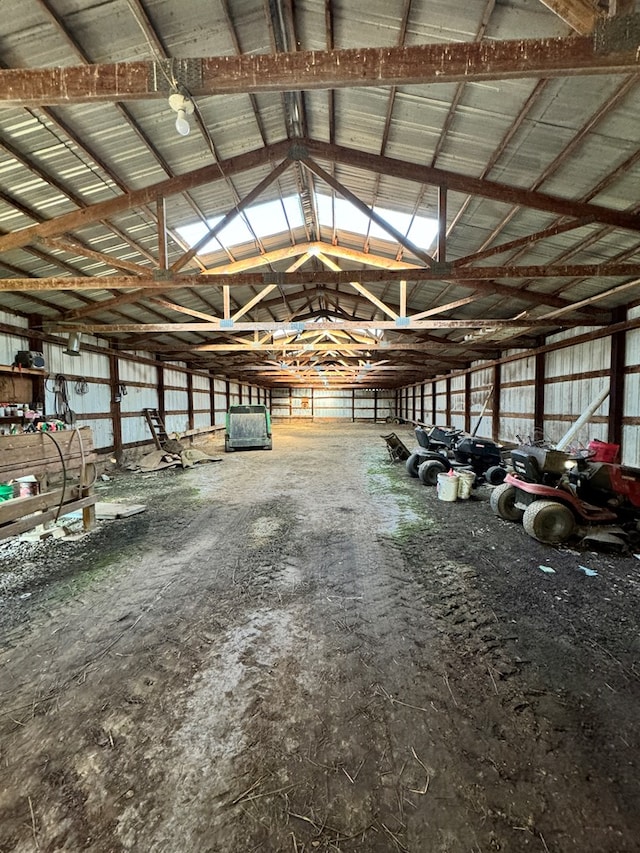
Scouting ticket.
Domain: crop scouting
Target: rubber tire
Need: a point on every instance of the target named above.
(429, 470)
(495, 475)
(502, 502)
(550, 522)
(412, 464)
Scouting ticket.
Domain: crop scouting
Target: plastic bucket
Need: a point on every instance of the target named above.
(448, 486)
(6, 491)
(466, 479)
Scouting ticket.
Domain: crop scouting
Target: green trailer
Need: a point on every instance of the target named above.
(248, 427)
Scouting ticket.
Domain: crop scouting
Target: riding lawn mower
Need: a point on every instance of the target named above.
(556, 494)
(442, 449)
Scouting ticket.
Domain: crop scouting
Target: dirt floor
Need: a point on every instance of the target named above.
(305, 650)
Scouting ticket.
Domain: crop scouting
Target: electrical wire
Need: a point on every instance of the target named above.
(64, 472)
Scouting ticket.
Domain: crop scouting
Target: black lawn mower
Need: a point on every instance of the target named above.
(444, 448)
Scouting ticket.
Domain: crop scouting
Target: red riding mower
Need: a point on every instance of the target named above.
(556, 494)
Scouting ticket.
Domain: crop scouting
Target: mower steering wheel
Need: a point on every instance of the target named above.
(582, 455)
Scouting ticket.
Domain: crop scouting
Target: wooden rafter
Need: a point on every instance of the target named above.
(580, 15)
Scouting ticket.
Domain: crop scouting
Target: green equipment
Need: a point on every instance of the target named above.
(248, 427)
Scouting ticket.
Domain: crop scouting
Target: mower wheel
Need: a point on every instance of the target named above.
(412, 464)
(502, 502)
(548, 521)
(495, 475)
(429, 470)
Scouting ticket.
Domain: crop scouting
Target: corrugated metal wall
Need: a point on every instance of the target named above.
(458, 402)
(517, 398)
(571, 378)
(574, 376)
(630, 430)
(331, 404)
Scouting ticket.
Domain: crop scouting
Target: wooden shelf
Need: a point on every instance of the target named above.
(23, 371)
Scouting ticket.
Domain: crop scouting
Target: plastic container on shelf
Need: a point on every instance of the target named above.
(6, 491)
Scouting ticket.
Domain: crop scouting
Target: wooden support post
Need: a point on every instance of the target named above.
(375, 406)
(37, 382)
(212, 398)
(161, 213)
(162, 409)
(114, 408)
(538, 396)
(190, 409)
(447, 401)
(403, 298)
(618, 377)
(226, 300)
(442, 223)
(467, 402)
(495, 408)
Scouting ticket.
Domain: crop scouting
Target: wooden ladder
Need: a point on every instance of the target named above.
(156, 426)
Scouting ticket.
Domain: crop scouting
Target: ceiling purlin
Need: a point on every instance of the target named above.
(394, 168)
(155, 44)
(233, 35)
(402, 34)
(75, 220)
(522, 242)
(577, 139)
(474, 186)
(526, 108)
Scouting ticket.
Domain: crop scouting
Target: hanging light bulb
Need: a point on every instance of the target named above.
(184, 107)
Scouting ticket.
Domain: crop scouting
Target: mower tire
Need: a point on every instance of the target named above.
(502, 502)
(549, 521)
(429, 470)
(413, 463)
(495, 475)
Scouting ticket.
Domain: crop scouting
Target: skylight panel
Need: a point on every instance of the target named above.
(276, 217)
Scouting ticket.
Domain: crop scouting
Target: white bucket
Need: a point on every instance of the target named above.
(448, 487)
(466, 479)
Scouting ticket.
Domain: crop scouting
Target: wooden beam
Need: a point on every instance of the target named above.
(284, 279)
(408, 324)
(138, 198)
(72, 247)
(580, 15)
(466, 184)
(236, 210)
(383, 347)
(370, 162)
(316, 69)
(366, 210)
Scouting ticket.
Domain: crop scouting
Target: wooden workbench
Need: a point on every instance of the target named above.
(64, 465)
